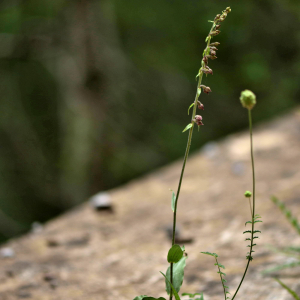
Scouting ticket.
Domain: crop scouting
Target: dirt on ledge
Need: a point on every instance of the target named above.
(87, 254)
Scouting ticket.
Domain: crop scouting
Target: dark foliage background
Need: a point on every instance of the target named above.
(95, 92)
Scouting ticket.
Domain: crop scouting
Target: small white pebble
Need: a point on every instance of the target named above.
(7, 252)
(101, 200)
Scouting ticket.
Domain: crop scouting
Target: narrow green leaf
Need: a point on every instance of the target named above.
(211, 254)
(247, 239)
(256, 231)
(226, 287)
(175, 254)
(173, 201)
(248, 231)
(187, 127)
(281, 267)
(206, 39)
(293, 293)
(248, 222)
(258, 221)
(178, 274)
(210, 21)
(173, 289)
(224, 280)
(190, 107)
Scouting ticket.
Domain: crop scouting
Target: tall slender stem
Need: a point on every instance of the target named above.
(186, 156)
(253, 201)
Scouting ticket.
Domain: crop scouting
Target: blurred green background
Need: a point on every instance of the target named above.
(95, 92)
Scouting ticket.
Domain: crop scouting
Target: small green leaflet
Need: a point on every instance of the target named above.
(187, 127)
(190, 107)
(210, 21)
(173, 201)
(221, 266)
(175, 254)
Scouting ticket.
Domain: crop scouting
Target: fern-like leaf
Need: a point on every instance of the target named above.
(293, 293)
(211, 254)
(247, 231)
(223, 274)
(292, 220)
(221, 266)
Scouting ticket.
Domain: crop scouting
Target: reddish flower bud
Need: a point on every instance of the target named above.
(198, 120)
(205, 60)
(218, 26)
(206, 89)
(217, 17)
(215, 32)
(207, 70)
(214, 44)
(200, 105)
(213, 52)
(212, 48)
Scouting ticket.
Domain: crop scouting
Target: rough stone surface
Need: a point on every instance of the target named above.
(88, 254)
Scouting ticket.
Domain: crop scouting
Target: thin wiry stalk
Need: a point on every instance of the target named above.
(253, 202)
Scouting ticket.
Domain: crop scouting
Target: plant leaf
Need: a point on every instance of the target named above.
(191, 295)
(221, 266)
(175, 254)
(173, 201)
(211, 254)
(172, 287)
(178, 274)
(152, 298)
(190, 107)
(288, 289)
(140, 297)
(187, 127)
(248, 222)
(144, 297)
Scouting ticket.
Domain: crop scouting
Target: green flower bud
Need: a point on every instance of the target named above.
(248, 99)
(248, 194)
